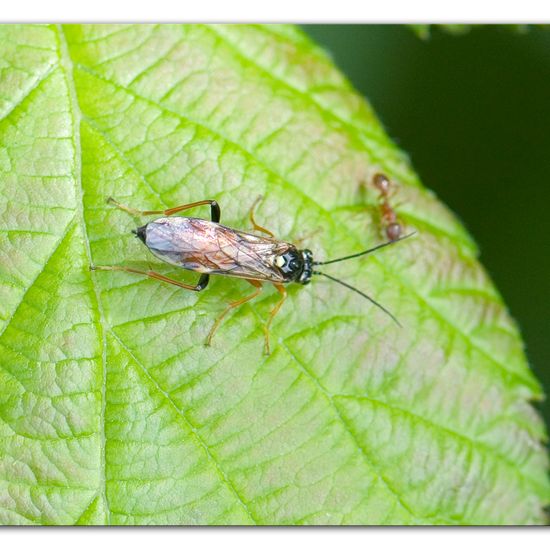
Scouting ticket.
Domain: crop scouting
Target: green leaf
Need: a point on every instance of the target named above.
(112, 410)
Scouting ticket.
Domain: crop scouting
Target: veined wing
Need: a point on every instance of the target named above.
(208, 247)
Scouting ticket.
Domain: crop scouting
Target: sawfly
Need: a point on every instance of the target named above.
(209, 248)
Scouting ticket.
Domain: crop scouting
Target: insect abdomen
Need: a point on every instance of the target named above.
(181, 241)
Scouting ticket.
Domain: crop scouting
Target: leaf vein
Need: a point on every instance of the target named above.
(42, 270)
(223, 476)
(27, 93)
(350, 431)
(520, 377)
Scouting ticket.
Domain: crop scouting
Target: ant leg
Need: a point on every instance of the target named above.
(231, 306)
(214, 209)
(274, 311)
(201, 285)
(253, 221)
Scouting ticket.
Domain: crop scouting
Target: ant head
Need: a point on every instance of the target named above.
(382, 183)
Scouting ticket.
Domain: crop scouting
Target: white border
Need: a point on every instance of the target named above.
(312, 11)
(342, 11)
(276, 538)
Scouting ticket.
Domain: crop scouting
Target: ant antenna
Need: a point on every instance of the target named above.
(377, 247)
(372, 301)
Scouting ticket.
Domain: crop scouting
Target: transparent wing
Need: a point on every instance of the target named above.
(208, 247)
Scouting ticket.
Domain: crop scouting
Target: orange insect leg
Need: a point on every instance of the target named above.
(233, 305)
(253, 221)
(203, 281)
(170, 211)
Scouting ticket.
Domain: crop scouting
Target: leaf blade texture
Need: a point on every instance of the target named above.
(113, 411)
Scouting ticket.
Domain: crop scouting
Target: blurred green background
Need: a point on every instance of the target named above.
(473, 113)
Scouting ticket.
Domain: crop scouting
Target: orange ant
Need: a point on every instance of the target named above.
(393, 227)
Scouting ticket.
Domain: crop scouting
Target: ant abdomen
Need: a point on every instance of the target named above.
(394, 231)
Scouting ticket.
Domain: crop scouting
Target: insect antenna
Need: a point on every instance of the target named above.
(365, 252)
(371, 300)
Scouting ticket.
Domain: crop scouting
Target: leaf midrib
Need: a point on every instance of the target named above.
(67, 67)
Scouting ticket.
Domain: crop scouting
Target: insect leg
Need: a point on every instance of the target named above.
(201, 285)
(253, 221)
(233, 305)
(214, 209)
(274, 311)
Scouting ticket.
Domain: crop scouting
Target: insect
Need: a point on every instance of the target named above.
(209, 248)
(391, 224)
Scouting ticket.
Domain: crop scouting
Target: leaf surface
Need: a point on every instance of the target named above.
(112, 409)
